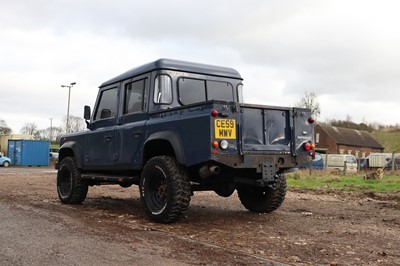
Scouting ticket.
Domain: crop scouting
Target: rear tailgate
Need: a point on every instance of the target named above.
(275, 130)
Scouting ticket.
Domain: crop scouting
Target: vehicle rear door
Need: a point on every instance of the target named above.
(266, 129)
(131, 125)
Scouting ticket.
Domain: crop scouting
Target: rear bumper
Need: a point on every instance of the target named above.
(256, 161)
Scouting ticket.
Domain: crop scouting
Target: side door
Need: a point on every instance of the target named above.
(100, 140)
(131, 125)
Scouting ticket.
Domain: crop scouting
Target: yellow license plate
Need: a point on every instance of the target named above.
(225, 128)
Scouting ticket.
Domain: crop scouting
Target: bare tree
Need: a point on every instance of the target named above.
(75, 124)
(348, 120)
(45, 134)
(4, 129)
(309, 100)
(29, 129)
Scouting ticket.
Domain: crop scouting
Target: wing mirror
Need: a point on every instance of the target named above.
(86, 116)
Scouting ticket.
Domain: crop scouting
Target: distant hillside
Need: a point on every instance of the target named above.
(388, 139)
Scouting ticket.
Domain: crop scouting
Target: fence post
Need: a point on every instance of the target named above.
(345, 168)
(393, 162)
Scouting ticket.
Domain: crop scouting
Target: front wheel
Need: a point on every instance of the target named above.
(71, 188)
(165, 189)
(263, 199)
(6, 163)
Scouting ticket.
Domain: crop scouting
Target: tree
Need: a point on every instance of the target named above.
(309, 100)
(53, 134)
(29, 129)
(4, 129)
(75, 124)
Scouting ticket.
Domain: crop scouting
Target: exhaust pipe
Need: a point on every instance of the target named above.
(209, 170)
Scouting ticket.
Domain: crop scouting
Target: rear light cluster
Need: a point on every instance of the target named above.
(308, 146)
(222, 144)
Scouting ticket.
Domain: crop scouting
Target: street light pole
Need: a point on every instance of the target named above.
(69, 100)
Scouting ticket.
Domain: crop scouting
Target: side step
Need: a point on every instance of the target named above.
(111, 178)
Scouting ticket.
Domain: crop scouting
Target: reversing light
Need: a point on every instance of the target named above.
(224, 144)
(311, 120)
(215, 144)
(214, 113)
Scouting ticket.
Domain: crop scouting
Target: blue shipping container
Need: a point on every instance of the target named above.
(29, 152)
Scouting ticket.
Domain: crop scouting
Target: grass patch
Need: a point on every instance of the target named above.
(344, 183)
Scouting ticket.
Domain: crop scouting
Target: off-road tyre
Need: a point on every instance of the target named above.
(71, 188)
(165, 189)
(6, 163)
(263, 199)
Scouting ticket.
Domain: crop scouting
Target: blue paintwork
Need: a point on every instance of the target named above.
(122, 142)
(4, 159)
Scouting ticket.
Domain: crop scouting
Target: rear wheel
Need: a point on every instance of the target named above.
(263, 199)
(165, 189)
(71, 188)
(6, 163)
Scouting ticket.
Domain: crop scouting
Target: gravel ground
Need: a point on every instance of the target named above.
(110, 228)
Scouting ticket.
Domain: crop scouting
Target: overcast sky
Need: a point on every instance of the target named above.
(347, 52)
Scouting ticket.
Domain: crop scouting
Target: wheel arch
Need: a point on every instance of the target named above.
(164, 143)
(71, 149)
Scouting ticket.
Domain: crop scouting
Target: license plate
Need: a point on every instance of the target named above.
(225, 128)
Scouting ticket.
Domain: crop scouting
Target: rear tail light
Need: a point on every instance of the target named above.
(311, 120)
(309, 146)
(214, 113)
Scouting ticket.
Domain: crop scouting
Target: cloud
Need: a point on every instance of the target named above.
(344, 51)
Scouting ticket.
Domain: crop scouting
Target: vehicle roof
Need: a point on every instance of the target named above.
(171, 64)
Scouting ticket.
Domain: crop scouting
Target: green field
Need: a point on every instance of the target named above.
(344, 183)
(389, 140)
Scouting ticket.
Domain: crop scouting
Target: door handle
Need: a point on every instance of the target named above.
(136, 133)
(108, 138)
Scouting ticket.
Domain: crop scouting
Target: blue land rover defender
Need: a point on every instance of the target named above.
(175, 127)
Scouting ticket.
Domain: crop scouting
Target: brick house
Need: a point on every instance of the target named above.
(337, 140)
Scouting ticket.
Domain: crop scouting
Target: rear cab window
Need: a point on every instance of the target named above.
(192, 90)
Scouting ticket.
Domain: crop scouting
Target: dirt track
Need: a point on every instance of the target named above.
(111, 228)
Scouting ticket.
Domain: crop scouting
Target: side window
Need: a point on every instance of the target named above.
(163, 90)
(191, 90)
(217, 90)
(107, 106)
(240, 93)
(134, 96)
